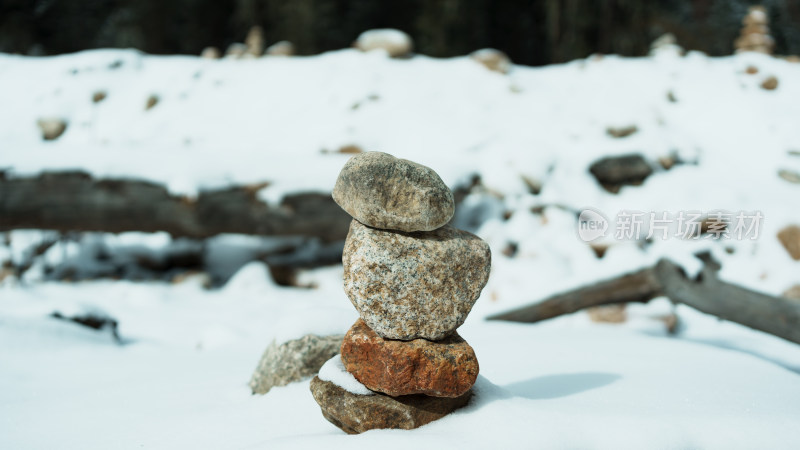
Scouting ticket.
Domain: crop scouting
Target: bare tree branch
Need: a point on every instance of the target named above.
(774, 315)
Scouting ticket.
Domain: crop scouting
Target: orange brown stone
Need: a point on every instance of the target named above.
(445, 368)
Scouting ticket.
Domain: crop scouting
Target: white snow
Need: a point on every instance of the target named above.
(333, 370)
(180, 380)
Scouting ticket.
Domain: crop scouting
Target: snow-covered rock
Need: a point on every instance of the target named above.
(293, 360)
(394, 42)
(493, 59)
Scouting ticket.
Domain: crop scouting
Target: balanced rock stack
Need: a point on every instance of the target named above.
(755, 36)
(413, 280)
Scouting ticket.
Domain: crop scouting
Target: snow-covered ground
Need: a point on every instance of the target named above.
(180, 377)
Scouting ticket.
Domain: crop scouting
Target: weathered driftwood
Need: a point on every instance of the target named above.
(639, 286)
(74, 201)
(774, 315)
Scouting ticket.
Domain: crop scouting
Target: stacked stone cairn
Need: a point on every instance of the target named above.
(413, 280)
(755, 36)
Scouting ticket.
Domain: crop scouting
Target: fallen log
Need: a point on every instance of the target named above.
(640, 286)
(75, 201)
(707, 293)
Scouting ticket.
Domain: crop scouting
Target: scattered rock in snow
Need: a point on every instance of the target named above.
(668, 162)
(293, 361)
(665, 43)
(99, 96)
(152, 101)
(751, 70)
(616, 171)
(395, 42)
(414, 285)
(281, 48)
(608, 313)
(350, 150)
(671, 97)
(599, 249)
(210, 53)
(790, 176)
(193, 276)
(359, 413)
(510, 250)
(770, 83)
(236, 50)
(385, 192)
(52, 128)
(713, 226)
(7, 271)
(792, 293)
(255, 42)
(621, 132)
(445, 368)
(492, 59)
(673, 159)
(790, 239)
(671, 322)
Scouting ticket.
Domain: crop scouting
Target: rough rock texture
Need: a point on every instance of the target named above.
(789, 237)
(492, 59)
(616, 171)
(293, 360)
(447, 368)
(414, 285)
(358, 413)
(385, 192)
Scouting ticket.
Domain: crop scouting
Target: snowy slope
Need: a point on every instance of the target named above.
(180, 379)
(222, 122)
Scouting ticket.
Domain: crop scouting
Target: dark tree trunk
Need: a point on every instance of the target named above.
(532, 32)
(74, 201)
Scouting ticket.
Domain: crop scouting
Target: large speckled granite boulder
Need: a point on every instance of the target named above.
(414, 285)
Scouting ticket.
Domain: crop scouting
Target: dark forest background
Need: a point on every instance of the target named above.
(532, 32)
